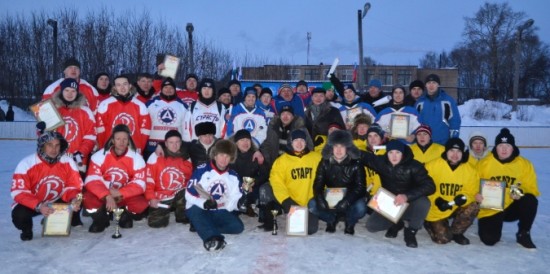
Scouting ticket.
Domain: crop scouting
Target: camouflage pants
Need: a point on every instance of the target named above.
(463, 217)
(160, 217)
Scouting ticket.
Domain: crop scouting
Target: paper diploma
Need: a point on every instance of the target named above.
(333, 195)
(493, 194)
(333, 67)
(383, 203)
(171, 64)
(59, 222)
(46, 112)
(296, 223)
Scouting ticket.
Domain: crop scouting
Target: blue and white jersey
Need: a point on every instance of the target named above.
(384, 118)
(269, 111)
(165, 116)
(200, 113)
(253, 121)
(223, 186)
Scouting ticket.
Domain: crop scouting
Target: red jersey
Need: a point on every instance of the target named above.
(125, 173)
(35, 181)
(166, 176)
(187, 96)
(84, 87)
(133, 113)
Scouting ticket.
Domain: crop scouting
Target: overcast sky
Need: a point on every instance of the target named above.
(395, 32)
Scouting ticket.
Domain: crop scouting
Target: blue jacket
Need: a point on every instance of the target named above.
(441, 114)
(297, 104)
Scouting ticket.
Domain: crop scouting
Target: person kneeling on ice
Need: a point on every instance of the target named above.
(340, 168)
(409, 181)
(213, 195)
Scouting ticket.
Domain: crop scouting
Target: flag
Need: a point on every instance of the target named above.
(354, 72)
(234, 71)
(240, 74)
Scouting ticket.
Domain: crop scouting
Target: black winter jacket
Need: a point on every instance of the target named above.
(319, 125)
(349, 173)
(409, 177)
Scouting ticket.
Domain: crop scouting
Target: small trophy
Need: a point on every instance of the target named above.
(515, 191)
(248, 183)
(117, 212)
(77, 201)
(274, 212)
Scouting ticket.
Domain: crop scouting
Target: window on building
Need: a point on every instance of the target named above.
(294, 74)
(311, 74)
(386, 76)
(404, 77)
(370, 75)
(347, 75)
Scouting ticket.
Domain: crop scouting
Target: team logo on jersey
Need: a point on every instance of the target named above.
(50, 187)
(172, 178)
(167, 116)
(249, 124)
(217, 189)
(71, 129)
(126, 119)
(115, 177)
(207, 117)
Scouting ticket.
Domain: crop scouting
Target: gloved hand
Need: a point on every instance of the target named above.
(210, 204)
(460, 200)
(241, 204)
(318, 140)
(322, 204)
(442, 204)
(77, 157)
(342, 206)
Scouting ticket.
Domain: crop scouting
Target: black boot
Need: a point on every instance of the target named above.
(331, 227)
(350, 229)
(214, 243)
(75, 221)
(100, 220)
(126, 220)
(523, 237)
(460, 239)
(394, 230)
(410, 237)
(26, 235)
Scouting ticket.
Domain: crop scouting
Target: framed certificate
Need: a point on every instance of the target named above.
(296, 221)
(59, 222)
(399, 126)
(383, 203)
(493, 194)
(171, 64)
(333, 195)
(46, 112)
(352, 113)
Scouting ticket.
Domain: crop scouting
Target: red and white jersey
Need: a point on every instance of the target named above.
(79, 129)
(187, 96)
(133, 113)
(125, 173)
(84, 87)
(165, 116)
(35, 181)
(166, 176)
(200, 113)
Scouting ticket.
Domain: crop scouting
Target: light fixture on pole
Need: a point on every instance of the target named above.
(189, 28)
(517, 60)
(308, 40)
(360, 16)
(53, 24)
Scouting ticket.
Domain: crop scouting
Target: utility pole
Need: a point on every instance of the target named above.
(308, 41)
(190, 29)
(360, 16)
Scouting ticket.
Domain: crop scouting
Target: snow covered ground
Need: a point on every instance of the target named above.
(176, 250)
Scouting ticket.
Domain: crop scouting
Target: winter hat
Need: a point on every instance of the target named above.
(476, 135)
(205, 128)
(69, 83)
(301, 83)
(335, 125)
(234, 82)
(456, 143)
(505, 137)
(249, 90)
(71, 62)
(376, 129)
(362, 119)
(318, 90)
(375, 83)
(397, 87)
(191, 75)
(328, 86)
(341, 137)
(395, 145)
(241, 134)
(225, 147)
(417, 83)
(223, 90)
(172, 133)
(256, 85)
(168, 82)
(424, 128)
(120, 128)
(207, 82)
(433, 77)
(350, 86)
(297, 134)
(286, 108)
(48, 136)
(266, 90)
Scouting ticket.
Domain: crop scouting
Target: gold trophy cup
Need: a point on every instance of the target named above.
(248, 183)
(117, 212)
